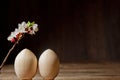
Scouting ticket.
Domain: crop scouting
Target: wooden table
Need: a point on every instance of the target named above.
(81, 71)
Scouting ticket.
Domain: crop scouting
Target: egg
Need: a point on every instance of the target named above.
(25, 64)
(48, 65)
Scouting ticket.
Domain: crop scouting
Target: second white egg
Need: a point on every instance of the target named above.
(49, 64)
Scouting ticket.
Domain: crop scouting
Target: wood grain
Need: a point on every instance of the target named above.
(86, 71)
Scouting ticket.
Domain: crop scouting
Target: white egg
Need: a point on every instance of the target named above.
(48, 64)
(25, 64)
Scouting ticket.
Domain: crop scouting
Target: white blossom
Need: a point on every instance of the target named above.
(23, 28)
(35, 27)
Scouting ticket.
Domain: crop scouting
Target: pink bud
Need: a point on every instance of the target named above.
(18, 35)
(13, 40)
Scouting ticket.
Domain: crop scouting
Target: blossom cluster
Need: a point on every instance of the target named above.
(29, 28)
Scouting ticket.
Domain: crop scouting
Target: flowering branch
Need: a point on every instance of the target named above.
(8, 53)
(17, 35)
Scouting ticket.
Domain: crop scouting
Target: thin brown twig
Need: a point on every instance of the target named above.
(10, 50)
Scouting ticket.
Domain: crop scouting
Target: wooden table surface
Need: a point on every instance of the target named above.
(81, 71)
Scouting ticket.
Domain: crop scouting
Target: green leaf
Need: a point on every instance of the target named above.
(30, 24)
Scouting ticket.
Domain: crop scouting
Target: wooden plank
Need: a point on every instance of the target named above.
(88, 71)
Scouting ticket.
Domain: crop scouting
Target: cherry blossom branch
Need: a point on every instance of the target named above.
(15, 36)
(9, 52)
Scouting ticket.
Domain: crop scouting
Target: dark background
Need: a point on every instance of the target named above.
(77, 30)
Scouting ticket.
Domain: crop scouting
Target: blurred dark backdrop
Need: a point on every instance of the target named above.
(77, 30)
